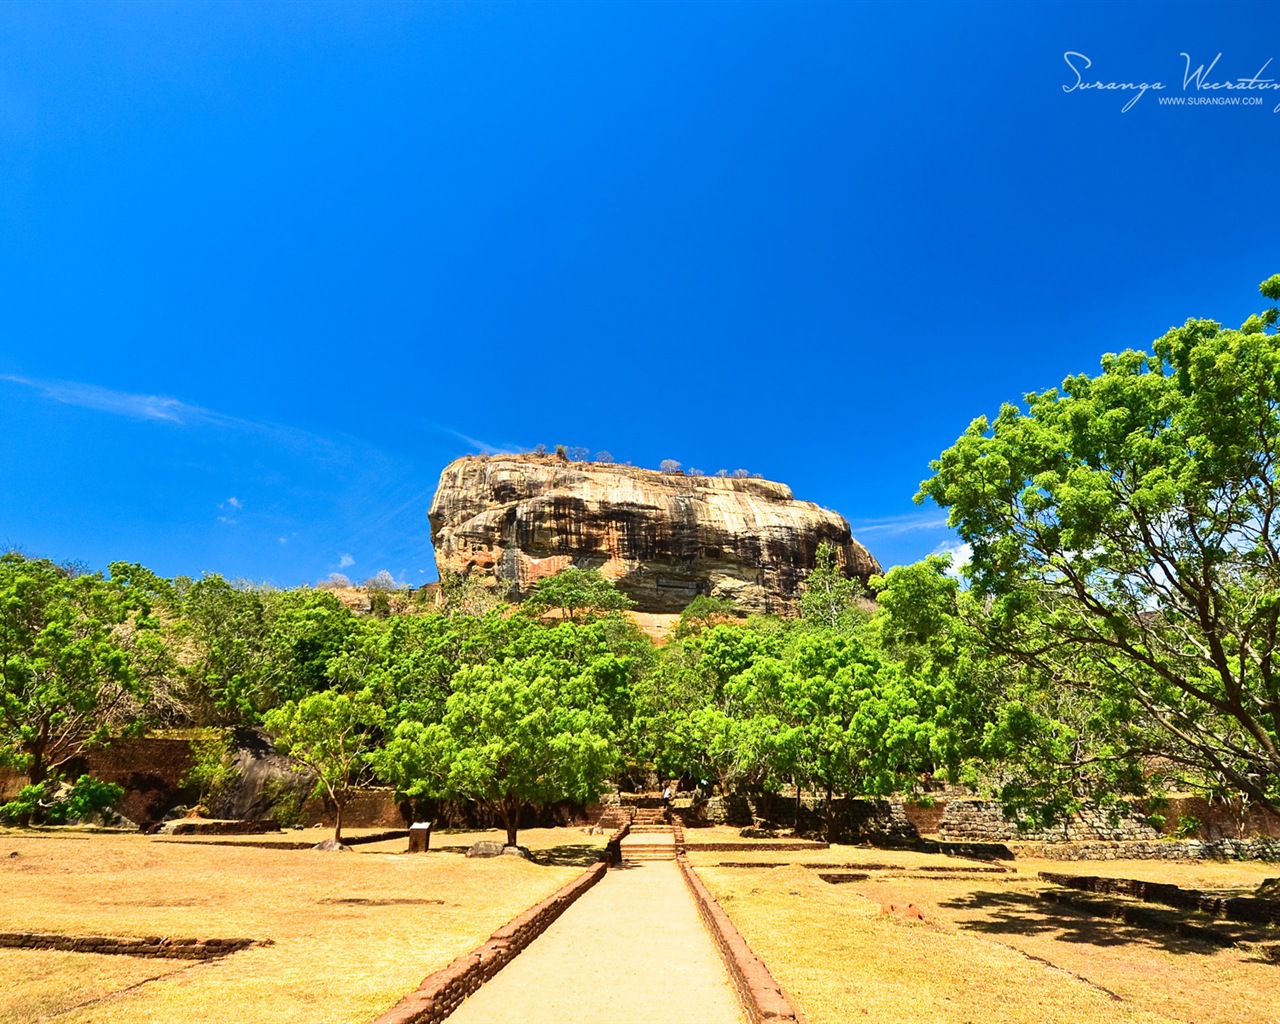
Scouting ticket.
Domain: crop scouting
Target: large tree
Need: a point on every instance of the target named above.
(524, 733)
(330, 736)
(73, 655)
(1124, 531)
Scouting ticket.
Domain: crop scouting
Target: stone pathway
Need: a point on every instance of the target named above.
(631, 951)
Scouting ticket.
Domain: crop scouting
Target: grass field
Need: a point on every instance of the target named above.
(989, 950)
(351, 932)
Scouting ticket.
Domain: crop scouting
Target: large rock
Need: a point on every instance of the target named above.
(663, 538)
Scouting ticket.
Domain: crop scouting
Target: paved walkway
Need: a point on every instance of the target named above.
(631, 951)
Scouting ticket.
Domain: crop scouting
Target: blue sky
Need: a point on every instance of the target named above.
(266, 268)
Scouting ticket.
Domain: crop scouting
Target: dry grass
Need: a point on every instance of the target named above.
(989, 951)
(352, 932)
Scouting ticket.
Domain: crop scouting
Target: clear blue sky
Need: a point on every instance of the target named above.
(266, 268)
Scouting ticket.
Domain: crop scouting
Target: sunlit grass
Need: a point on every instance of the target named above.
(975, 957)
(351, 932)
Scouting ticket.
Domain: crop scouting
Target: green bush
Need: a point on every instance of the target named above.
(286, 801)
(50, 804)
(1188, 826)
(213, 771)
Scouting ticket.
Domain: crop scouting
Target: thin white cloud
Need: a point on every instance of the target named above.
(909, 522)
(345, 561)
(235, 502)
(120, 403)
(227, 520)
(484, 446)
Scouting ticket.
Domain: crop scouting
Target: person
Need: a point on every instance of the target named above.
(666, 797)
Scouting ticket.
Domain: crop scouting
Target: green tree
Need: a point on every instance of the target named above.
(830, 598)
(512, 736)
(68, 675)
(687, 716)
(578, 592)
(1124, 546)
(703, 612)
(329, 735)
(250, 649)
(835, 716)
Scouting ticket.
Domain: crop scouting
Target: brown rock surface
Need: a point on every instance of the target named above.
(664, 538)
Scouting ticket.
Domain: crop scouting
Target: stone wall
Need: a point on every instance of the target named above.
(856, 820)
(1190, 849)
(983, 821)
(1234, 908)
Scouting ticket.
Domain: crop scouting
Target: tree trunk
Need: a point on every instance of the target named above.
(831, 815)
(340, 801)
(509, 811)
(796, 827)
(37, 774)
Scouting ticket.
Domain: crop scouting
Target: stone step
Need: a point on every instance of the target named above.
(649, 853)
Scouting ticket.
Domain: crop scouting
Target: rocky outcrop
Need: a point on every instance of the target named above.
(663, 538)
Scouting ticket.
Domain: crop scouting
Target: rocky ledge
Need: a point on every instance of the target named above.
(663, 538)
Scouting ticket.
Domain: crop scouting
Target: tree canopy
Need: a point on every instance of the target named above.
(1123, 530)
(72, 663)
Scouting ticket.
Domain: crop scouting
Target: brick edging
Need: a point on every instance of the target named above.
(441, 993)
(1246, 909)
(763, 999)
(149, 946)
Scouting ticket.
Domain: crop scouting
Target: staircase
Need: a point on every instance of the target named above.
(651, 837)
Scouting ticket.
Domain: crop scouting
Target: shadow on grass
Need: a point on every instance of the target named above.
(569, 855)
(1006, 913)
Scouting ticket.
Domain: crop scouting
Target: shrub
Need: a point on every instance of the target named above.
(56, 803)
(214, 770)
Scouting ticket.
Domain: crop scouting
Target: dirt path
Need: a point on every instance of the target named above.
(631, 951)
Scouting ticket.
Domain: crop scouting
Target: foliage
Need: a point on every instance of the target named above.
(329, 735)
(468, 594)
(524, 733)
(702, 612)
(830, 598)
(834, 715)
(52, 802)
(1124, 551)
(213, 769)
(249, 649)
(577, 591)
(68, 672)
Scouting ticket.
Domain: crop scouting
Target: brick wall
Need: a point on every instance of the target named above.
(153, 947)
(763, 999)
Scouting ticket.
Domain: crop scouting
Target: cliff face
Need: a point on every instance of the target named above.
(662, 538)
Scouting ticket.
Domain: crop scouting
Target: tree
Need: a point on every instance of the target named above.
(516, 735)
(703, 612)
(575, 591)
(253, 648)
(830, 597)
(1124, 536)
(330, 735)
(577, 453)
(839, 717)
(68, 679)
(604, 457)
(668, 466)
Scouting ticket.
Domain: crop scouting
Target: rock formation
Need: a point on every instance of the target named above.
(663, 538)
